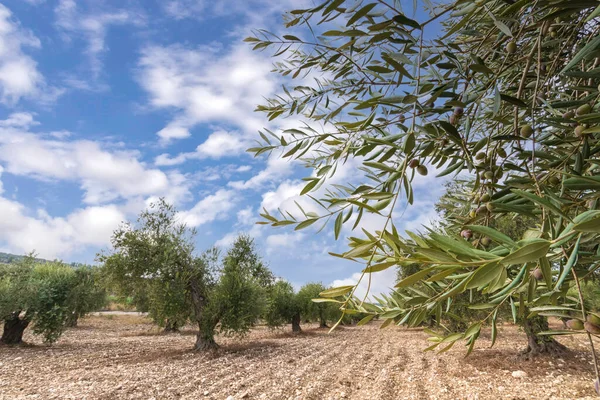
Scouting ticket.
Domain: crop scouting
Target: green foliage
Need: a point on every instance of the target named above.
(240, 296)
(48, 294)
(321, 312)
(153, 261)
(282, 305)
(88, 294)
(505, 95)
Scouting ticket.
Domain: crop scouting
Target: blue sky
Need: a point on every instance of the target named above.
(107, 105)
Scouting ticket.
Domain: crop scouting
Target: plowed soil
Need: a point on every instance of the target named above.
(125, 357)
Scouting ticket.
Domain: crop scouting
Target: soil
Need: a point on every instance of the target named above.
(125, 357)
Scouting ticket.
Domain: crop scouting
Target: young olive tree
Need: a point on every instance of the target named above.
(502, 92)
(38, 294)
(156, 255)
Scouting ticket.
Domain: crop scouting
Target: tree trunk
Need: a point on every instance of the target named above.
(72, 320)
(205, 339)
(322, 323)
(296, 323)
(13, 330)
(539, 344)
(171, 327)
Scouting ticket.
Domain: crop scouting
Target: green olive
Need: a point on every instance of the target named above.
(526, 131)
(584, 109)
(511, 47)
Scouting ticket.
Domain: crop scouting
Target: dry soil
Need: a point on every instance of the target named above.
(125, 357)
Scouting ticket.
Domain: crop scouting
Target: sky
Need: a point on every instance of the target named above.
(108, 105)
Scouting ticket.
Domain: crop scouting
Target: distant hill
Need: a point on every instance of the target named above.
(8, 258)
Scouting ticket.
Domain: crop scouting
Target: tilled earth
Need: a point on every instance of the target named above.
(124, 357)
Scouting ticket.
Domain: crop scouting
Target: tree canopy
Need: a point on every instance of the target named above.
(503, 93)
(156, 256)
(48, 295)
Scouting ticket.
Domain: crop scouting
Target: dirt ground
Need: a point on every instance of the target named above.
(124, 357)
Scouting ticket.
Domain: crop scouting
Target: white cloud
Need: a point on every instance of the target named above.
(105, 174)
(21, 119)
(218, 145)
(254, 10)
(53, 237)
(381, 282)
(92, 27)
(210, 208)
(283, 241)
(19, 74)
(245, 216)
(206, 84)
(181, 9)
(276, 169)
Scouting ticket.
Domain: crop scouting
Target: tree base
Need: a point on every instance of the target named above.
(205, 344)
(540, 344)
(546, 346)
(13, 331)
(552, 348)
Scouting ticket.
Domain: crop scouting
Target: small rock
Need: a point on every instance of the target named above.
(519, 374)
(230, 398)
(244, 395)
(206, 392)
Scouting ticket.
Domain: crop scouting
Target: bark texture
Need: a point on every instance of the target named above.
(540, 344)
(13, 330)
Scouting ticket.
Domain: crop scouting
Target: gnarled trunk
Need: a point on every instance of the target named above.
(13, 330)
(296, 323)
(539, 344)
(205, 339)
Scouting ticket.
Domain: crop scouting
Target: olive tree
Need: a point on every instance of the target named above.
(88, 293)
(156, 255)
(283, 306)
(503, 92)
(37, 294)
(311, 309)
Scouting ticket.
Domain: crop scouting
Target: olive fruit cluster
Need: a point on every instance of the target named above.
(421, 169)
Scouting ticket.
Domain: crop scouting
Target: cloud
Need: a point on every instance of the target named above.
(56, 237)
(19, 74)
(283, 241)
(381, 282)
(182, 9)
(206, 84)
(91, 27)
(254, 10)
(218, 145)
(104, 174)
(210, 208)
(276, 169)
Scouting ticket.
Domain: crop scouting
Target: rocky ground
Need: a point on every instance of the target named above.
(125, 357)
